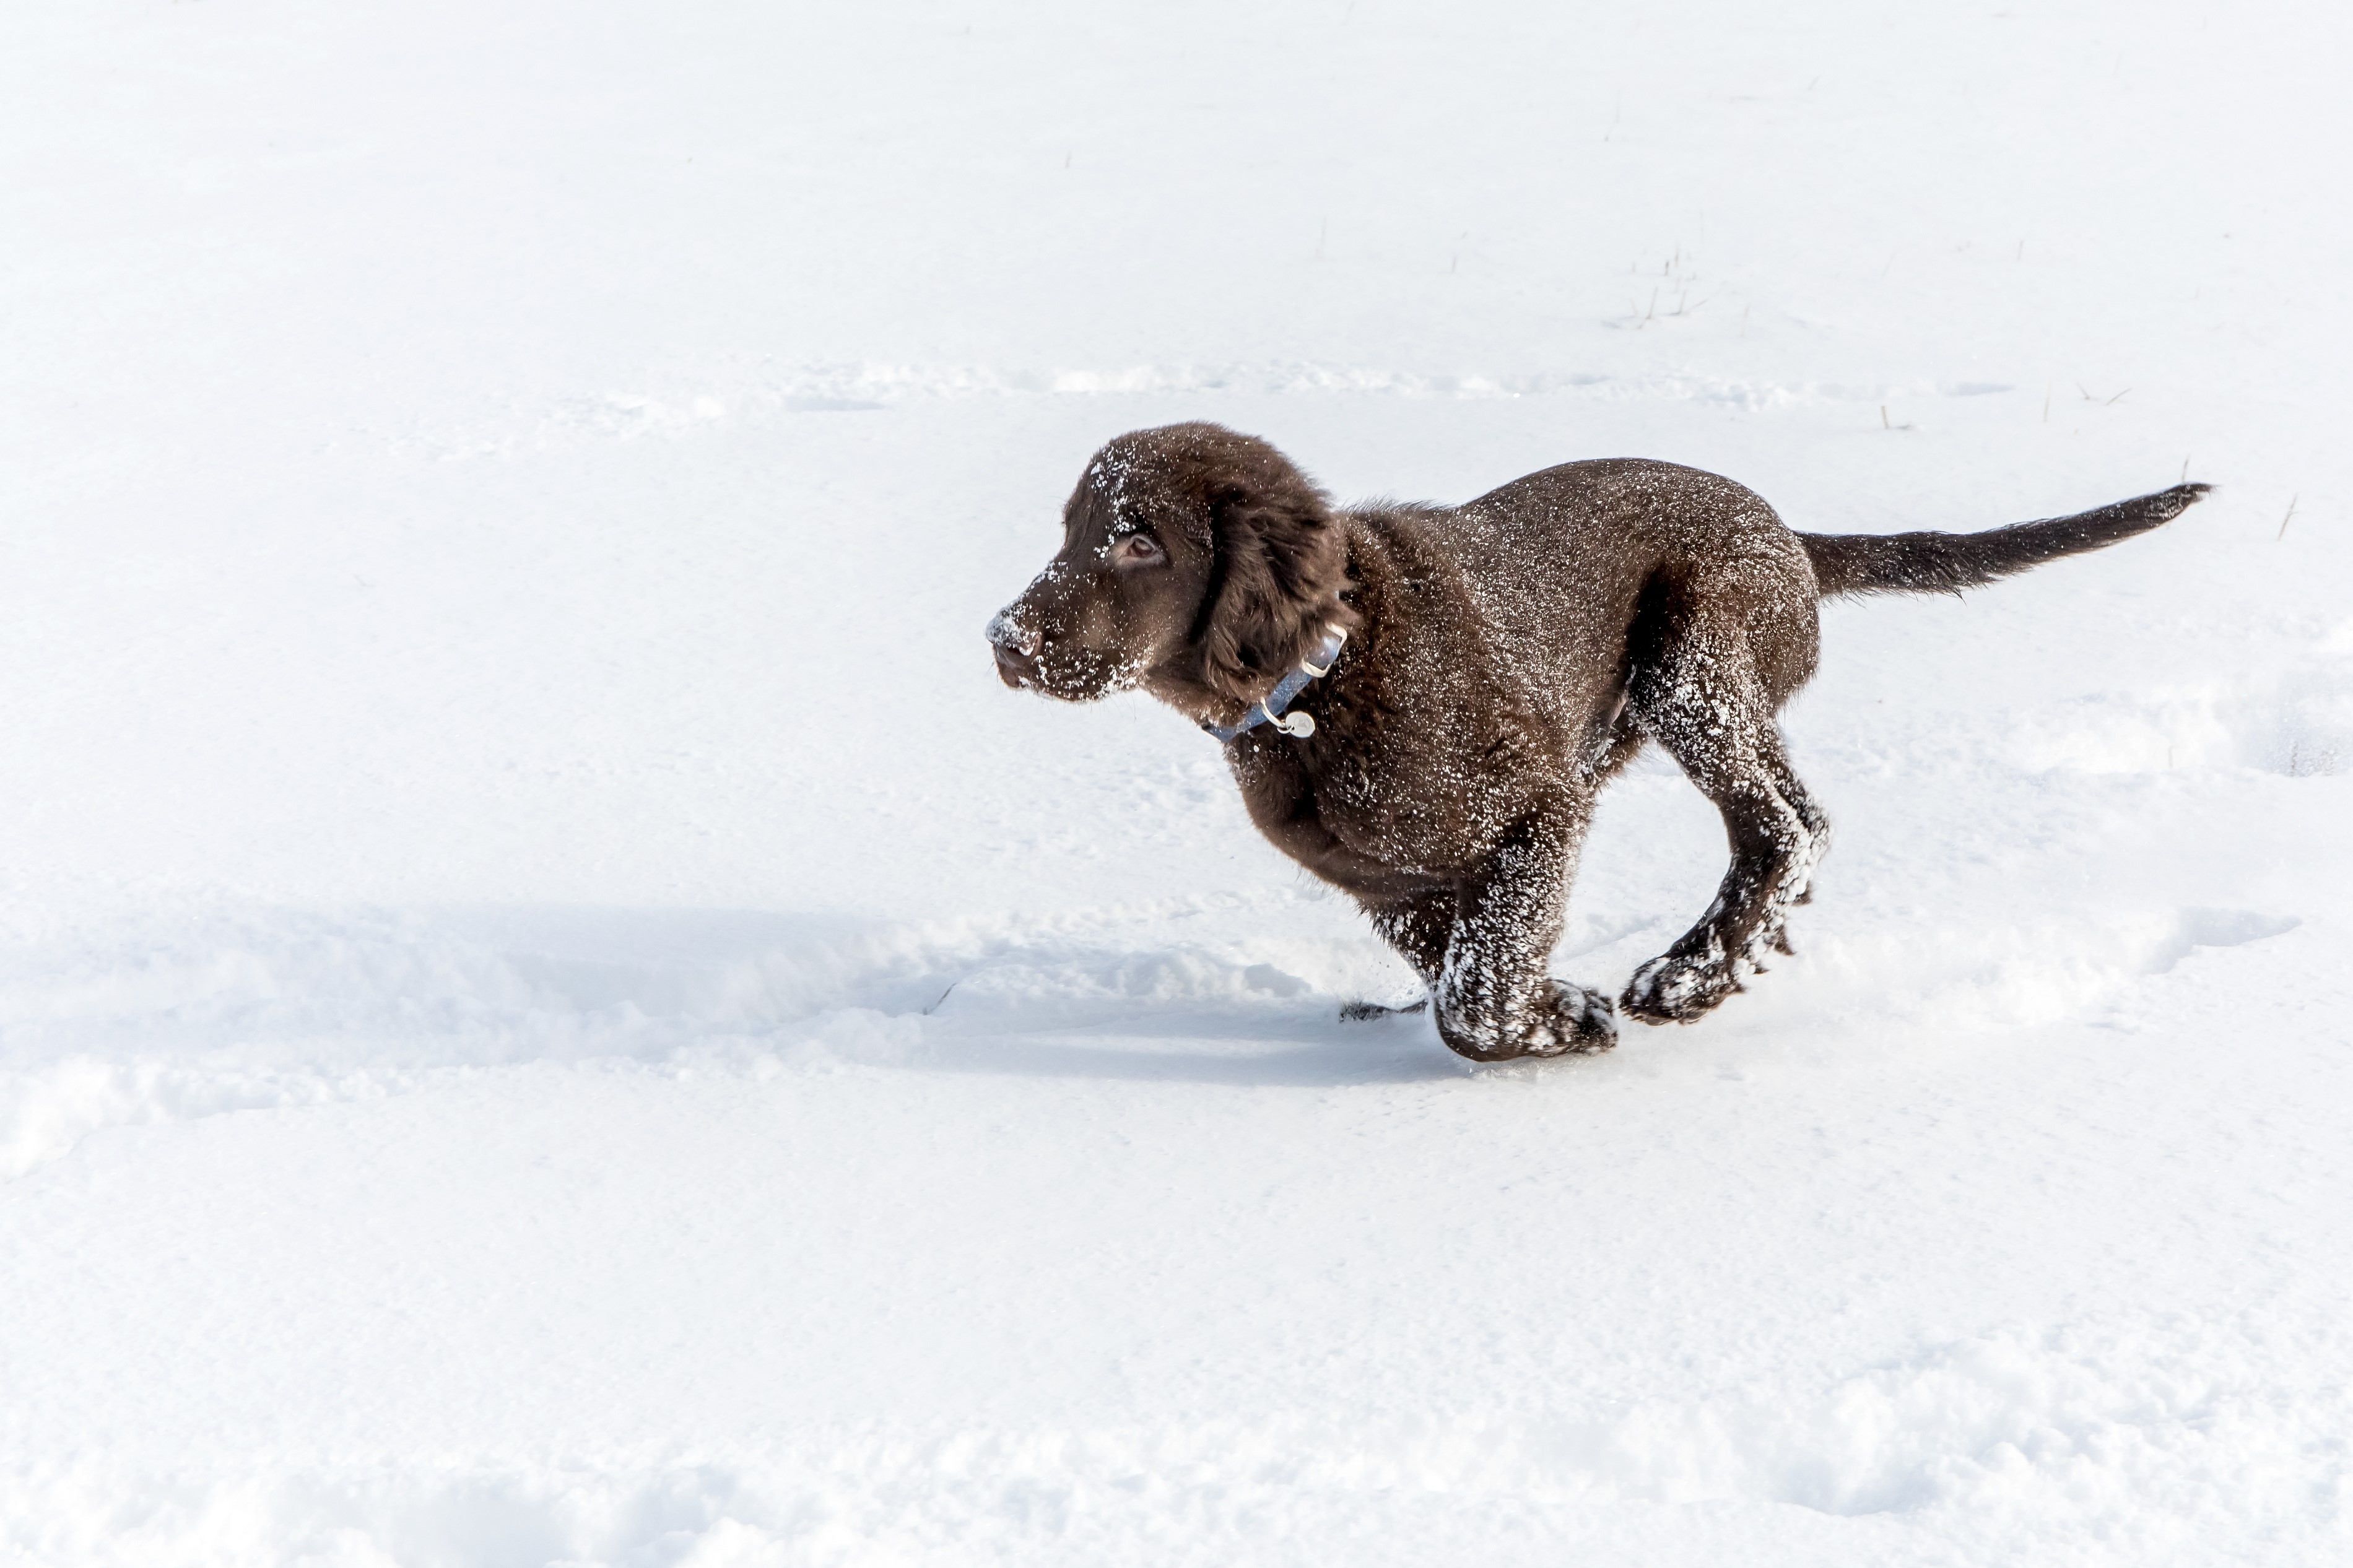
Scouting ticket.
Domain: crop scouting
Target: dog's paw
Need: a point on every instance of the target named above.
(1365, 1012)
(1670, 990)
(1574, 1022)
(1562, 1020)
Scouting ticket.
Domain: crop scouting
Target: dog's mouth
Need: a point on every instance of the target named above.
(1031, 657)
(1015, 668)
(1073, 676)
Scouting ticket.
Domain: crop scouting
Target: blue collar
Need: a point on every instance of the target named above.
(1268, 709)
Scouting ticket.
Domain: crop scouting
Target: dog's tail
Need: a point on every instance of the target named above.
(1947, 562)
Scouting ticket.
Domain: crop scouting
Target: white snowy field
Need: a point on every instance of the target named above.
(552, 1010)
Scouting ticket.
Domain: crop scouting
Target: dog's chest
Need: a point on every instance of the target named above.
(1369, 820)
(1436, 808)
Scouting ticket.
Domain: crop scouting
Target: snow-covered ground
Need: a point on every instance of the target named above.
(552, 1010)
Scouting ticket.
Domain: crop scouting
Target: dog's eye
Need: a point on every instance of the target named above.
(1136, 549)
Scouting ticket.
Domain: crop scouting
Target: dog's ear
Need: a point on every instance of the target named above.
(1280, 564)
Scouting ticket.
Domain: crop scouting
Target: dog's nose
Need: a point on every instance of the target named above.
(1011, 631)
(1016, 644)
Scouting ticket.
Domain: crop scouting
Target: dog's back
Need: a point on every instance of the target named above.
(1565, 564)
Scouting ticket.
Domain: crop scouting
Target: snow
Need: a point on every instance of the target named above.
(552, 1010)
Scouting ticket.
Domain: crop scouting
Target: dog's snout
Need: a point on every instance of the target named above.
(1012, 631)
(1016, 642)
(1015, 668)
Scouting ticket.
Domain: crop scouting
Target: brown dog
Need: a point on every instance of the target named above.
(1502, 660)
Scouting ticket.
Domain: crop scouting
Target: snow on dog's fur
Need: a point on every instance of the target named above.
(1505, 658)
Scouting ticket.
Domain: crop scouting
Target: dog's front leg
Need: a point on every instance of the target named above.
(1495, 996)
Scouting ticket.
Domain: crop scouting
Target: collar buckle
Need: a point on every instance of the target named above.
(1269, 709)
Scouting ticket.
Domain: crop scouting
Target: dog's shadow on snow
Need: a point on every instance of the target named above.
(1052, 1004)
(1284, 1048)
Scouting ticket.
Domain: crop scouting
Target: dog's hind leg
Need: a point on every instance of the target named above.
(1701, 701)
(1817, 827)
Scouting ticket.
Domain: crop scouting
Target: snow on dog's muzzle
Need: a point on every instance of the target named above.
(1015, 640)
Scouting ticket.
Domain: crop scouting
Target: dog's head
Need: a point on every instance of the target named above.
(1196, 561)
